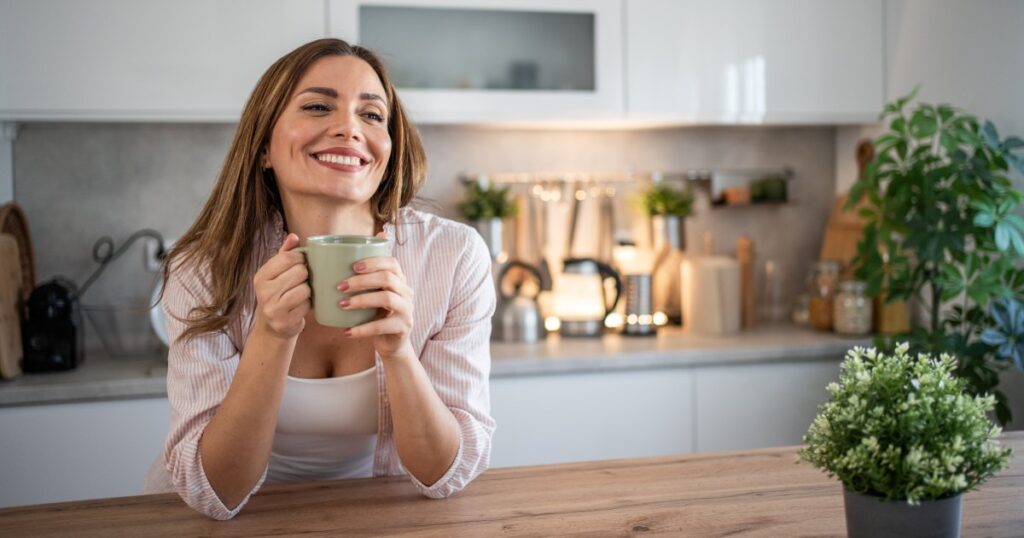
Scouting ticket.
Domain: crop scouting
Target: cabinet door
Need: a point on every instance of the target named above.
(494, 60)
(754, 61)
(132, 60)
(580, 417)
(759, 405)
(65, 452)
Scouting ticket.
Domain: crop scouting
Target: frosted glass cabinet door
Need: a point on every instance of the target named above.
(754, 61)
(132, 60)
(494, 60)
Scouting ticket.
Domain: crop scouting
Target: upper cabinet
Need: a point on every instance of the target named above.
(754, 61)
(483, 61)
(563, 62)
(129, 60)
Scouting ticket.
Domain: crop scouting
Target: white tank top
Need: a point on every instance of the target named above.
(326, 429)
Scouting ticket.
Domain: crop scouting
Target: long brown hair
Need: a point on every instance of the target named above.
(230, 236)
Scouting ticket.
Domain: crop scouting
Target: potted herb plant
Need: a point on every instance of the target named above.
(668, 208)
(906, 441)
(485, 206)
(942, 230)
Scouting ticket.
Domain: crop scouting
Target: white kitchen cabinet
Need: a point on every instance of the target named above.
(754, 61)
(759, 405)
(86, 450)
(484, 61)
(578, 417)
(188, 60)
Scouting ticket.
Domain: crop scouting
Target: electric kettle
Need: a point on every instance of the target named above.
(581, 302)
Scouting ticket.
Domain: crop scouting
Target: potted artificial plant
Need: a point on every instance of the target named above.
(906, 441)
(667, 208)
(484, 207)
(942, 229)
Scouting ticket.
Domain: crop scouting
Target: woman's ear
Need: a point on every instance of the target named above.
(264, 160)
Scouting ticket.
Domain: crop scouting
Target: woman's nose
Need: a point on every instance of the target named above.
(346, 126)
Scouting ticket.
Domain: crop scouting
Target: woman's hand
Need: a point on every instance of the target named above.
(282, 291)
(391, 329)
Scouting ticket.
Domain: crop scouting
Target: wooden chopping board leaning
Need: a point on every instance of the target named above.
(10, 302)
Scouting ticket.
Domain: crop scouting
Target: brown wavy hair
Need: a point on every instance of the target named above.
(230, 236)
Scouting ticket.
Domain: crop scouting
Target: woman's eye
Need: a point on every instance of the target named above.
(316, 107)
(374, 116)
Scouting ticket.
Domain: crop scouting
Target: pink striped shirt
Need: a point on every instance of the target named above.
(449, 269)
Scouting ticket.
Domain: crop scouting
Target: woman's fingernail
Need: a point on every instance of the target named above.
(347, 332)
(344, 303)
(359, 266)
(343, 286)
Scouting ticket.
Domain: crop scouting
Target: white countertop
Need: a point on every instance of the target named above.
(103, 378)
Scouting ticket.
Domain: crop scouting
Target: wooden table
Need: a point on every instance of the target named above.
(756, 492)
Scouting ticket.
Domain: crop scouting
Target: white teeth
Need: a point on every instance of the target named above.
(339, 159)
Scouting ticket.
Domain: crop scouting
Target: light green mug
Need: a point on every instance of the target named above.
(330, 259)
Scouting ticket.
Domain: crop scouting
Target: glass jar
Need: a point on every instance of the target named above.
(852, 312)
(823, 280)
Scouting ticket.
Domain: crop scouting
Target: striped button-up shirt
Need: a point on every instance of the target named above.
(448, 267)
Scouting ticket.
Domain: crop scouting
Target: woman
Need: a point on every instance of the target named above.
(258, 390)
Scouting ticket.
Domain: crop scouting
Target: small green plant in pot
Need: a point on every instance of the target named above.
(661, 199)
(906, 441)
(668, 208)
(485, 207)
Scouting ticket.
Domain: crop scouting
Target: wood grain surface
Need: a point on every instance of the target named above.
(752, 493)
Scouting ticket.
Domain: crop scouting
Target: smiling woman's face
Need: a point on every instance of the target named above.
(332, 138)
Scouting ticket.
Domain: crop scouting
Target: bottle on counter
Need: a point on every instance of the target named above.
(748, 304)
(852, 308)
(823, 281)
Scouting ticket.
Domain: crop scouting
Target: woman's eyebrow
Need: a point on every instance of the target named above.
(330, 92)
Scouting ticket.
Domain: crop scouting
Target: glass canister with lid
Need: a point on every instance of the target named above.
(823, 279)
(852, 308)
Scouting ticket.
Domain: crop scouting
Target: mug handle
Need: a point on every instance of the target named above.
(304, 250)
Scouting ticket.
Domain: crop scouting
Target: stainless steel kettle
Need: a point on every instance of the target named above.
(517, 317)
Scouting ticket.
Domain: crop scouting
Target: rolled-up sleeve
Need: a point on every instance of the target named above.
(199, 373)
(457, 358)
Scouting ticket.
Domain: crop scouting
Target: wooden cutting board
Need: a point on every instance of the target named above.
(10, 302)
(846, 227)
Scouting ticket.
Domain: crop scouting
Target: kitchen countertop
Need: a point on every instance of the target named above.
(103, 378)
(753, 493)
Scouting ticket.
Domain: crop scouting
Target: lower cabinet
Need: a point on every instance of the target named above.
(591, 416)
(65, 452)
(580, 417)
(759, 405)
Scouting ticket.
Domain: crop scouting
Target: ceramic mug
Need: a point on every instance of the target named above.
(329, 259)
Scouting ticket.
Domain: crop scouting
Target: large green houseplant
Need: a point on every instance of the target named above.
(942, 229)
(901, 428)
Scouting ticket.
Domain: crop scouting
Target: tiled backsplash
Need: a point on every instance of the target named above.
(80, 181)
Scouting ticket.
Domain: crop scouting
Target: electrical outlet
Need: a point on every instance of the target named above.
(151, 259)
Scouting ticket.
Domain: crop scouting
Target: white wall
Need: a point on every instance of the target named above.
(969, 53)
(7, 134)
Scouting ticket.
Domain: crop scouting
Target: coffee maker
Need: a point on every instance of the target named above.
(52, 332)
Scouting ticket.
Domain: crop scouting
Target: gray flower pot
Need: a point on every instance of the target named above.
(867, 515)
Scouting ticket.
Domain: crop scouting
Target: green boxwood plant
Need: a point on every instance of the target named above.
(903, 428)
